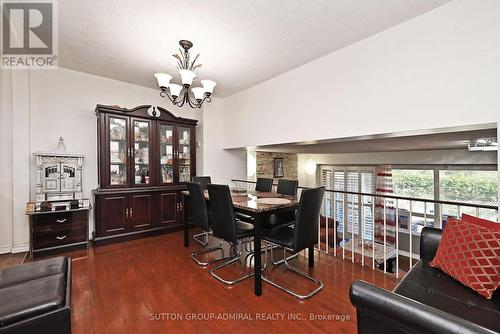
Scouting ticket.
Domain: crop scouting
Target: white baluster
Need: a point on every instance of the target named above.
(397, 238)
(373, 233)
(334, 226)
(327, 231)
(411, 238)
(385, 237)
(362, 232)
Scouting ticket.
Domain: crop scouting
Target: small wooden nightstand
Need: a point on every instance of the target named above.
(54, 232)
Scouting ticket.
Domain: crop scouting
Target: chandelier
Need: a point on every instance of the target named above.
(179, 95)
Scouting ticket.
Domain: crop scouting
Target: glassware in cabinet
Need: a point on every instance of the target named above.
(166, 136)
(184, 155)
(118, 150)
(141, 146)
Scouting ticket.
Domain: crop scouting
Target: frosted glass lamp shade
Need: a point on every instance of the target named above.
(198, 93)
(208, 86)
(187, 77)
(175, 89)
(163, 79)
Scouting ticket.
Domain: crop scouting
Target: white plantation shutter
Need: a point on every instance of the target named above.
(368, 187)
(339, 184)
(327, 182)
(355, 179)
(353, 202)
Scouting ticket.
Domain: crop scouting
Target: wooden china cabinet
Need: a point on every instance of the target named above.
(145, 156)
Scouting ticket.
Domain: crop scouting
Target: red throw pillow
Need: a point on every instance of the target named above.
(470, 253)
(480, 221)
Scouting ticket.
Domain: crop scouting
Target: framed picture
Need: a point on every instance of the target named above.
(279, 167)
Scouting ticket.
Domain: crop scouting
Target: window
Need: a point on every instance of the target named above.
(476, 185)
(470, 186)
(355, 179)
(414, 183)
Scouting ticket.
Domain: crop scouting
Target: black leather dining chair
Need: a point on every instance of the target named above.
(287, 187)
(201, 220)
(264, 184)
(226, 227)
(202, 180)
(302, 235)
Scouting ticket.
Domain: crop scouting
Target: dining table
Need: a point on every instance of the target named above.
(260, 206)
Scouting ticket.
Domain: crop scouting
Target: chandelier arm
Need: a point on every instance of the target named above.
(185, 98)
(207, 98)
(164, 93)
(193, 103)
(180, 103)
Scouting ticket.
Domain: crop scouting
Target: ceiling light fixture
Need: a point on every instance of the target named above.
(179, 95)
(483, 144)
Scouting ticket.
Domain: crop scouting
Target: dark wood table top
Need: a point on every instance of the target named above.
(250, 201)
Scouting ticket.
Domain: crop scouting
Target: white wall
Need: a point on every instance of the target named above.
(6, 201)
(222, 165)
(439, 69)
(47, 104)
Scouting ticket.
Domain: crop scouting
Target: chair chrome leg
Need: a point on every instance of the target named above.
(248, 246)
(291, 257)
(249, 257)
(201, 242)
(208, 250)
(298, 272)
(232, 260)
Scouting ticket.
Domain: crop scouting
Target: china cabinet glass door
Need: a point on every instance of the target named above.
(117, 150)
(184, 154)
(166, 136)
(141, 145)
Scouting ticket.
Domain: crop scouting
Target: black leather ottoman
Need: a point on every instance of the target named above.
(36, 297)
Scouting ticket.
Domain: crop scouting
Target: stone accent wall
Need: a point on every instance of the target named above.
(265, 164)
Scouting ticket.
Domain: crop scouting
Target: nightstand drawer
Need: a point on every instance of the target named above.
(63, 235)
(48, 222)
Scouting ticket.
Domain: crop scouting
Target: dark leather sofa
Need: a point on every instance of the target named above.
(36, 297)
(425, 301)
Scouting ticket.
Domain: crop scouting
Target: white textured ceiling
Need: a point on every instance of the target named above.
(242, 42)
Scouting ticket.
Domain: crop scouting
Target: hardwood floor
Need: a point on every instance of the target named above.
(9, 260)
(152, 286)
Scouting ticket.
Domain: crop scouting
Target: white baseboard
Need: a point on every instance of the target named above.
(5, 249)
(21, 248)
